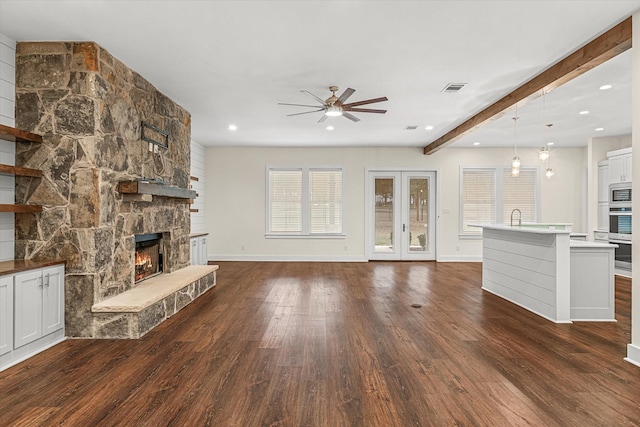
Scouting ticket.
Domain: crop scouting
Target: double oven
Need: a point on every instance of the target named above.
(620, 223)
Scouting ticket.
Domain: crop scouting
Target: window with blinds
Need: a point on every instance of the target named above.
(478, 199)
(325, 210)
(285, 201)
(519, 193)
(489, 195)
(304, 201)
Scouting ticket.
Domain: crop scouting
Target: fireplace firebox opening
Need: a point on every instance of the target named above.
(148, 256)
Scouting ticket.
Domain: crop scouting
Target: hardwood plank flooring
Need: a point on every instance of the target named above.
(338, 344)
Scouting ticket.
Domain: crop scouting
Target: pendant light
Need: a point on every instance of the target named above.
(549, 173)
(543, 155)
(515, 163)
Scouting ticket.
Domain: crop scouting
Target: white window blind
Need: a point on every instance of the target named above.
(489, 194)
(304, 202)
(519, 193)
(285, 201)
(325, 211)
(478, 199)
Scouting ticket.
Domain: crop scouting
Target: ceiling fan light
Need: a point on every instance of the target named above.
(333, 111)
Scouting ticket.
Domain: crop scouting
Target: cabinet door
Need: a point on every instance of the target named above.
(27, 293)
(52, 299)
(6, 314)
(616, 169)
(603, 216)
(194, 251)
(603, 183)
(203, 250)
(627, 168)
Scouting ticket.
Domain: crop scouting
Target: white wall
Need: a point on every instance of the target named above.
(198, 171)
(235, 197)
(7, 148)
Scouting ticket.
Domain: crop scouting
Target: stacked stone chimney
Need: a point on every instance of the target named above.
(89, 107)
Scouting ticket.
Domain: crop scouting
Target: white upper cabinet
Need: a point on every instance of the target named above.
(620, 166)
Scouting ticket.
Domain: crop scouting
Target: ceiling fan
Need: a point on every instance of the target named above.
(335, 106)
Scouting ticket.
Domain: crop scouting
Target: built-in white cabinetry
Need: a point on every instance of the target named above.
(39, 304)
(6, 315)
(603, 195)
(619, 166)
(31, 310)
(199, 249)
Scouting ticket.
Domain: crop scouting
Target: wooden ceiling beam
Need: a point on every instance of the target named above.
(608, 45)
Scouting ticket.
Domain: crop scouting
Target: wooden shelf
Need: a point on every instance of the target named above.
(155, 189)
(15, 170)
(21, 208)
(16, 135)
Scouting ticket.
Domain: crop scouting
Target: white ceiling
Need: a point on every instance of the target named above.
(231, 62)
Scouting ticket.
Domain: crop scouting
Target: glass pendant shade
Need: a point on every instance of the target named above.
(515, 171)
(516, 162)
(544, 154)
(549, 173)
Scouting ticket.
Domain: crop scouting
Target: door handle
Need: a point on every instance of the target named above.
(47, 282)
(404, 227)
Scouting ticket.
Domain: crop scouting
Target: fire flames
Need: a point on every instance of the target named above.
(144, 265)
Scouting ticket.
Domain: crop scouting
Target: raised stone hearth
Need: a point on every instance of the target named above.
(89, 107)
(135, 312)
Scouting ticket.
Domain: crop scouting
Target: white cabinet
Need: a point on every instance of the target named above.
(603, 181)
(603, 216)
(31, 310)
(620, 166)
(6, 314)
(39, 304)
(199, 250)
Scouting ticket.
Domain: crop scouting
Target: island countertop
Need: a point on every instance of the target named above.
(525, 228)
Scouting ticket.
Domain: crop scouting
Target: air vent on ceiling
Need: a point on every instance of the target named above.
(453, 87)
(411, 127)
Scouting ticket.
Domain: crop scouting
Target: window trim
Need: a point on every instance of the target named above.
(498, 196)
(306, 204)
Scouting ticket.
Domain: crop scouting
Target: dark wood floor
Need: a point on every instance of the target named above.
(324, 344)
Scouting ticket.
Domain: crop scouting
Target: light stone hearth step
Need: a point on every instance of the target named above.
(153, 290)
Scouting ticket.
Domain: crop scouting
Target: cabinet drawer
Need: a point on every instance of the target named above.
(600, 235)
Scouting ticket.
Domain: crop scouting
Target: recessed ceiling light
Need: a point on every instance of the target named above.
(429, 127)
(606, 87)
(550, 143)
(476, 143)
(584, 112)
(233, 127)
(330, 127)
(599, 129)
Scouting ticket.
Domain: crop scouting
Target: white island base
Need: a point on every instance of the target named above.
(545, 272)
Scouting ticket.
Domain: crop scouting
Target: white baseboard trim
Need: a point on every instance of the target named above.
(287, 258)
(459, 258)
(633, 354)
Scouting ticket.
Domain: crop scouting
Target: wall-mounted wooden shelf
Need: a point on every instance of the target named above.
(21, 208)
(16, 135)
(155, 189)
(15, 170)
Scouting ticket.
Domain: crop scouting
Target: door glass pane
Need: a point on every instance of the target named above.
(418, 214)
(383, 215)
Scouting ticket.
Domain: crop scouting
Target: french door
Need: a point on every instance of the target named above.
(401, 215)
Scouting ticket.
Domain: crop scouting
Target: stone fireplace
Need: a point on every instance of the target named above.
(90, 107)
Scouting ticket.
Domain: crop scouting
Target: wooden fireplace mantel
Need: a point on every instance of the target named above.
(155, 189)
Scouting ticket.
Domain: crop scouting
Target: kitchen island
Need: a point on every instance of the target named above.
(543, 270)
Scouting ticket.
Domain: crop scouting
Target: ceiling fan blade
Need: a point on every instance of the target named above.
(364, 110)
(321, 101)
(368, 101)
(322, 119)
(298, 105)
(306, 112)
(350, 116)
(345, 95)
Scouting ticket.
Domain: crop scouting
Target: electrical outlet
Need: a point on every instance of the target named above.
(457, 248)
(242, 247)
(346, 248)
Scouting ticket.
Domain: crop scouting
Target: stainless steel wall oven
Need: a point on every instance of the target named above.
(620, 216)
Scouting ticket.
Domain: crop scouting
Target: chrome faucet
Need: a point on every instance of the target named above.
(519, 217)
